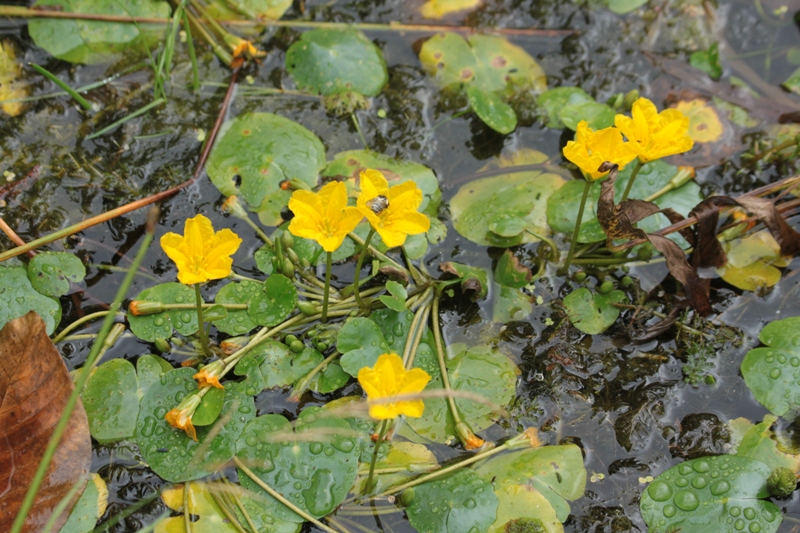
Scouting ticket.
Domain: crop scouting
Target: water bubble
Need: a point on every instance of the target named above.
(669, 511)
(659, 491)
(699, 482)
(755, 527)
(720, 487)
(251, 440)
(685, 469)
(316, 448)
(794, 361)
(186, 317)
(775, 373)
(682, 482)
(329, 451)
(749, 513)
(739, 524)
(686, 500)
(344, 445)
(735, 511)
(319, 496)
(398, 330)
(158, 321)
(782, 359)
(469, 503)
(701, 466)
(149, 427)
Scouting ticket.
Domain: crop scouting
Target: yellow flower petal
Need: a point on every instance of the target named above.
(200, 254)
(323, 216)
(654, 135)
(388, 378)
(591, 148)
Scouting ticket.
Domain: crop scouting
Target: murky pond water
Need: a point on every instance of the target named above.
(626, 404)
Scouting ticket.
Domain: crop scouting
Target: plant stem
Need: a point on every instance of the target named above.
(328, 267)
(192, 54)
(80, 382)
(370, 477)
(358, 129)
(635, 173)
(278, 496)
(364, 251)
(70, 91)
(374, 251)
(440, 353)
(201, 325)
(574, 242)
(67, 330)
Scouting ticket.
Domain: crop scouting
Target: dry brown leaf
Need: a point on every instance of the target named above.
(34, 388)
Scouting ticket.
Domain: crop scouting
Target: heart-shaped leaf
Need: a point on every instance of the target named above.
(593, 313)
(238, 322)
(552, 101)
(272, 364)
(51, 272)
(17, 297)
(160, 325)
(169, 451)
(509, 272)
(772, 373)
(510, 304)
(699, 495)
(361, 342)
(332, 61)
(89, 507)
(313, 466)
(274, 302)
(111, 399)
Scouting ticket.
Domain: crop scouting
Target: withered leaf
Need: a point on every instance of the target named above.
(34, 388)
(767, 213)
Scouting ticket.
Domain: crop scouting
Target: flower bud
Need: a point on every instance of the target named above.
(292, 255)
(163, 345)
(630, 98)
(307, 308)
(288, 267)
(144, 307)
(470, 440)
(232, 206)
(287, 240)
(233, 344)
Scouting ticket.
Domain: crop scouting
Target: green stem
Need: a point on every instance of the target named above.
(417, 330)
(328, 267)
(80, 382)
(358, 129)
(375, 252)
(70, 91)
(155, 103)
(303, 383)
(440, 353)
(201, 325)
(67, 330)
(278, 496)
(364, 251)
(628, 187)
(370, 477)
(574, 242)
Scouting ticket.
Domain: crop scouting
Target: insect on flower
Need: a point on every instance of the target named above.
(378, 204)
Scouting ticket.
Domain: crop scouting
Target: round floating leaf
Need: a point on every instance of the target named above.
(459, 503)
(169, 451)
(492, 110)
(593, 313)
(598, 115)
(361, 342)
(510, 304)
(491, 202)
(149, 369)
(703, 494)
(705, 125)
(313, 466)
(248, 9)
(274, 302)
(772, 373)
(111, 400)
(238, 322)
(91, 41)
(51, 272)
(264, 257)
(332, 61)
(210, 407)
(555, 472)
(554, 100)
(481, 371)
(562, 206)
(87, 509)
(312, 252)
(756, 442)
(332, 378)
(753, 262)
(509, 272)
(272, 364)
(349, 165)
(18, 297)
(160, 325)
(255, 152)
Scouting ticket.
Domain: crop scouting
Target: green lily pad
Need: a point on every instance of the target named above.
(268, 365)
(753, 261)
(312, 252)
(554, 100)
(396, 299)
(416, 246)
(488, 68)
(314, 472)
(509, 272)
(481, 371)
(474, 280)
(688, 498)
(497, 203)
(18, 297)
(238, 322)
(413, 457)
(274, 302)
(255, 152)
(248, 9)
(492, 110)
(361, 342)
(772, 373)
(756, 442)
(510, 304)
(593, 313)
(92, 41)
(149, 369)
(51, 272)
(264, 258)
(160, 325)
(329, 379)
(349, 165)
(111, 400)
(83, 516)
(210, 407)
(169, 451)
(598, 115)
(562, 206)
(554, 472)
(395, 328)
(332, 61)
(459, 503)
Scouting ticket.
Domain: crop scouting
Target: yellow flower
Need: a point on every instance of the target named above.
(209, 375)
(655, 135)
(389, 378)
(391, 212)
(323, 216)
(591, 148)
(244, 48)
(200, 253)
(181, 416)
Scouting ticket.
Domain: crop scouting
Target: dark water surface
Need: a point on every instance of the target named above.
(624, 403)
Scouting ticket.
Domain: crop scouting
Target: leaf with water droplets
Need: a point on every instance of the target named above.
(51, 272)
(149, 369)
(17, 297)
(313, 466)
(459, 503)
(361, 342)
(772, 373)
(169, 451)
(111, 400)
(593, 313)
(160, 325)
(274, 302)
(698, 496)
(89, 507)
(238, 322)
(758, 442)
(269, 365)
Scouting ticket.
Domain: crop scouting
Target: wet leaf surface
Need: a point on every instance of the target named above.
(51, 272)
(17, 297)
(593, 313)
(161, 325)
(111, 400)
(274, 302)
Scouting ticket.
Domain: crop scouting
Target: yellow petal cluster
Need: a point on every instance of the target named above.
(181, 416)
(199, 253)
(323, 216)
(591, 148)
(400, 217)
(388, 378)
(654, 135)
